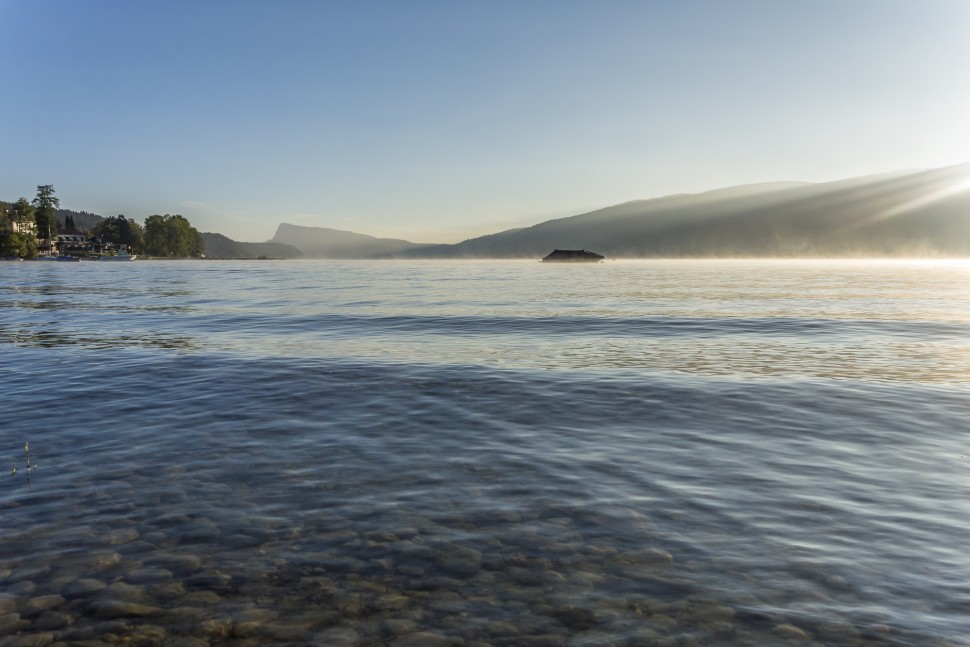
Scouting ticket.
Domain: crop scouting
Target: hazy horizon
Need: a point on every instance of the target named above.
(435, 122)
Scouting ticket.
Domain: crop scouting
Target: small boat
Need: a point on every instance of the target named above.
(63, 258)
(120, 256)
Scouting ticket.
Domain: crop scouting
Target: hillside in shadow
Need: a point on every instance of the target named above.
(219, 246)
(321, 242)
(923, 213)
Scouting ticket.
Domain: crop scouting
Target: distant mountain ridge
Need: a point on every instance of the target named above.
(913, 213)
(82, 219)
(923, 213)
(898, 214)
(321, 242)
(219, 246)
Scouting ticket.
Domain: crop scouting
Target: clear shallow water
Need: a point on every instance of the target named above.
(632, 453)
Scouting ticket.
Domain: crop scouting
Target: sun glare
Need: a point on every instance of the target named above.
(928, 198)
(962, 186)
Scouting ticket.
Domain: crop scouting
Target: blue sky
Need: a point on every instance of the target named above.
(436, 121)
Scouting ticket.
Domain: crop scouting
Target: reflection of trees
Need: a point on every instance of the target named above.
(65, 306)
(48, 335)
(50, 305)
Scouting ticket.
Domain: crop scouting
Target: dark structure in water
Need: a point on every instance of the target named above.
(572, 256)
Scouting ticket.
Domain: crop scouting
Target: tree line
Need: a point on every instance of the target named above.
(27, 226)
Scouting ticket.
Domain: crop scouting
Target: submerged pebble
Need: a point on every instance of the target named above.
(82, 587)
(37, 605)
(122, 609)
(649, 459)
(11, 623)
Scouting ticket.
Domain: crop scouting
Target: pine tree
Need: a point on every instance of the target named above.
(46, 214)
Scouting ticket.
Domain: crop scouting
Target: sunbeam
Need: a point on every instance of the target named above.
(961, 185)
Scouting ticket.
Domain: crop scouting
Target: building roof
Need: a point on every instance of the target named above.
(571, 256)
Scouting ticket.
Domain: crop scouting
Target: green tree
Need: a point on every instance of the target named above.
(121, 231)
(18, 244)
(130, 234)
(107, 229)
(20, 239)
(6, 228)
(172, 236)
(23, 215)
(46, 215)
(156, 236)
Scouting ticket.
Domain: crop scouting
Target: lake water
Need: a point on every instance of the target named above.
(485, 453)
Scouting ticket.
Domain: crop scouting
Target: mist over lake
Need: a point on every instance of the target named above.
(486, 453)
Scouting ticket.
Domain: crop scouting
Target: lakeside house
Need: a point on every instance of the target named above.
(67, 241)
(70, 241)
(18, 227)
(572, 256)
(10, 224)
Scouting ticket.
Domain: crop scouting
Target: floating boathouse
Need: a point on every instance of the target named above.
(572, 256)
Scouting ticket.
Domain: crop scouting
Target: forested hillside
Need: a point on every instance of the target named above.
(219, 246)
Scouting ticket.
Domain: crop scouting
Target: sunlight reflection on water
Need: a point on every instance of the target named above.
(643, 452)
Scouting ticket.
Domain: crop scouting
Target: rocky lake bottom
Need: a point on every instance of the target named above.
(483, 454)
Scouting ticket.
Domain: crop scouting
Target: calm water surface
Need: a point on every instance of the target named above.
(485, 453)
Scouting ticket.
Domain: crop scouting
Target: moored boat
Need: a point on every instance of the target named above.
(63, 258)
(120, 256)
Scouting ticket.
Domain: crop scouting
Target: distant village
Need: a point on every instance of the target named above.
(68, 241)
(32, 230)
